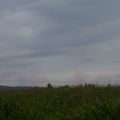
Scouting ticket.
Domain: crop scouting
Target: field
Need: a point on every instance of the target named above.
(64, 103)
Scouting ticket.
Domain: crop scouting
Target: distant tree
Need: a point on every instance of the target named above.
(109, 86)
(49, 86)
(66, 86)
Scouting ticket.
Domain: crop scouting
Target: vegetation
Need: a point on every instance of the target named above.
(87, 102)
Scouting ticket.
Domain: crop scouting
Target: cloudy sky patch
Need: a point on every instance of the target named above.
(62, 42)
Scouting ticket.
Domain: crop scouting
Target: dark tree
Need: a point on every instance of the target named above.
(49, 86)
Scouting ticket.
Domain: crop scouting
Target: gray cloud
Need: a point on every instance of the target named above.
(52, 41)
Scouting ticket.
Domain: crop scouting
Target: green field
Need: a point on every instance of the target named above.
(64, 103)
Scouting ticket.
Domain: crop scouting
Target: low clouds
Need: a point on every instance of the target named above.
(55, 41)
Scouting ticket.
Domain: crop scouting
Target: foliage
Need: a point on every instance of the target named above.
(87, 102)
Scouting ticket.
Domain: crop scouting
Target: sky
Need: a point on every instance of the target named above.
(59, 42)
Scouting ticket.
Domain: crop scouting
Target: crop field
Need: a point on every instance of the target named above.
(64, 103)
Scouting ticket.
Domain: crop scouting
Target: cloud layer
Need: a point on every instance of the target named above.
(57, 41)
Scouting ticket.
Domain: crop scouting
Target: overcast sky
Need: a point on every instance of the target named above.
(59, 41)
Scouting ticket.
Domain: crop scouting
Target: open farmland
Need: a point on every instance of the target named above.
(63, 103)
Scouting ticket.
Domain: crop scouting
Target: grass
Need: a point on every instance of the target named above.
(65, 103)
